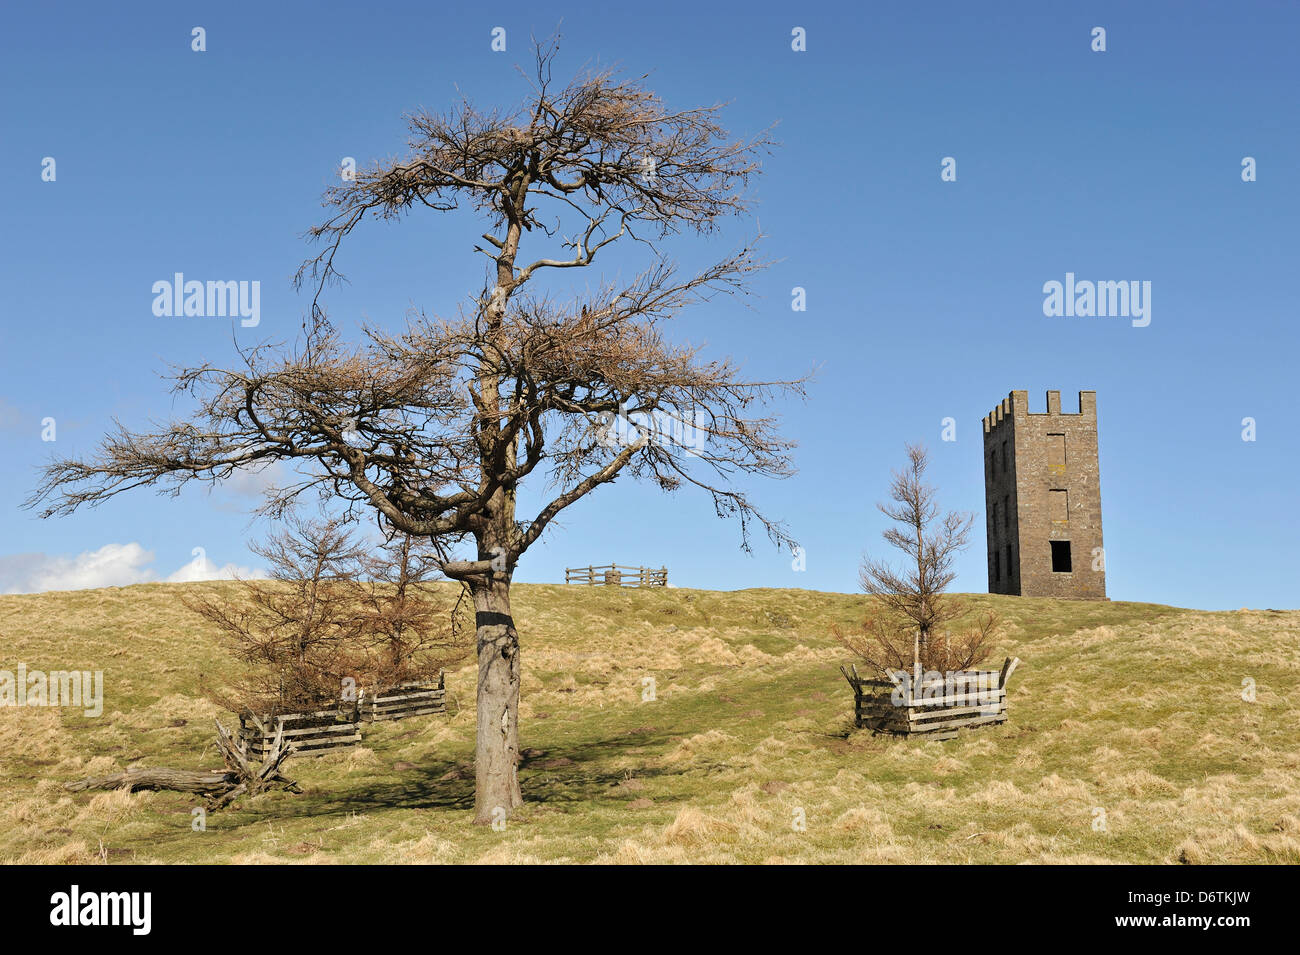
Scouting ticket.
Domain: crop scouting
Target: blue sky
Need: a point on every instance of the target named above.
(924, 297)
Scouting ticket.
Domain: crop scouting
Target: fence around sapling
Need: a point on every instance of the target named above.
(938, 705)
(311, 733)
(617, 575)
(416, 698)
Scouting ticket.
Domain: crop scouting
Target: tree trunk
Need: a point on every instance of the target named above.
(496, 757)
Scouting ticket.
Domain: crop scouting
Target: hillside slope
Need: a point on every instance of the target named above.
(1131, 710)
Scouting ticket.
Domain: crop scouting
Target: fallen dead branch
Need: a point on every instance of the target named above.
(221, 787)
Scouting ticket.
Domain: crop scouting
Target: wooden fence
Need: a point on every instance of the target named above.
(311, 733)
(420, 698)
(617, 575)
(938, 706)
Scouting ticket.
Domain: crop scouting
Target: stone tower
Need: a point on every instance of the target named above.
(1042, 496)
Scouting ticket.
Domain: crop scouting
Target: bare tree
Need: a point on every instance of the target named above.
(300, 630)
(436, 428)
(910, 625)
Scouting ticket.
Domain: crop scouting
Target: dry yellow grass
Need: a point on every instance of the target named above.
(1129, 741)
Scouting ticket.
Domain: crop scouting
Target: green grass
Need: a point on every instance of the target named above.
(1131, 709)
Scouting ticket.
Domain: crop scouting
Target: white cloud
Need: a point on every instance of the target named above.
(255, 480)
(113, 565)
(237, 493)
(200, 568)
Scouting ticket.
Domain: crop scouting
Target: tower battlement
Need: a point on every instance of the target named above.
(1016, 404)
(1042, 495)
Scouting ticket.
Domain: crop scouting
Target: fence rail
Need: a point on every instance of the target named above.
(938, 706)
(617, 575)
(312, 733)
(318, 731)
(418, 698)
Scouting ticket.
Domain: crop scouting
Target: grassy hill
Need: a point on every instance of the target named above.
(1134, 709)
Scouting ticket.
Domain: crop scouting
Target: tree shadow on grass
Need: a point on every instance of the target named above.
(575, 773)
(562, 774)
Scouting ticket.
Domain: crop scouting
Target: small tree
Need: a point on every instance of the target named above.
(909, 628)
(298, 630)
(408, 630)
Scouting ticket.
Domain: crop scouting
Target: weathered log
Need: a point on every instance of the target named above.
(239, 778)
(181, 780)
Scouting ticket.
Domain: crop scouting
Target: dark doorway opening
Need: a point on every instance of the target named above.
(1061, 557)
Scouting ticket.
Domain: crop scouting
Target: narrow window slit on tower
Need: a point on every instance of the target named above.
(1059, 506)
(1056, 454)
(1061, 557)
